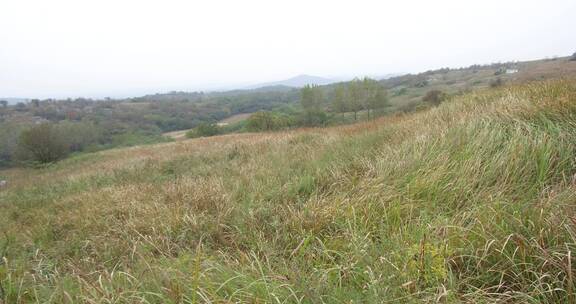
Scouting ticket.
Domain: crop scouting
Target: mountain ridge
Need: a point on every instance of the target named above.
(296, 82)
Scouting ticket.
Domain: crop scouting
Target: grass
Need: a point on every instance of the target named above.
(472, 201)
(405, 96)
(231, 124)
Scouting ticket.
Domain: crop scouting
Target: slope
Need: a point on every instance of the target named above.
(471, 201)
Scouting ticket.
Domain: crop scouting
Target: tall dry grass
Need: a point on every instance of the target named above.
(472, 201)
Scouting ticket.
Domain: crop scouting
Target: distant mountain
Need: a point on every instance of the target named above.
(296, 82)
(273, 88)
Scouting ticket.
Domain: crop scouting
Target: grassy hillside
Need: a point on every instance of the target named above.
(472, 201)
(406, 91)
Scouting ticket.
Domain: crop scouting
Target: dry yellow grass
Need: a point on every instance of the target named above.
(235, 118)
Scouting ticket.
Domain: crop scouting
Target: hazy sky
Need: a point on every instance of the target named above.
(97, 48)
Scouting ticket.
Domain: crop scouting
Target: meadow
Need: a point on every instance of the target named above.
(470, 201)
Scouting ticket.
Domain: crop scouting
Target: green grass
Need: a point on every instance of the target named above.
(472, 201)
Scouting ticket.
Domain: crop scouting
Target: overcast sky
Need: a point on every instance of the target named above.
(68, 48)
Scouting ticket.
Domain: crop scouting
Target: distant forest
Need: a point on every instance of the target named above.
(85, 125)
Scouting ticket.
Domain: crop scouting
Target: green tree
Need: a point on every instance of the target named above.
(378, 99)
(311, 101)
(373, 95)
(9, 136)
(311, 98)
(356, 97)
(3, 103)
(42, 144)
(340, 99)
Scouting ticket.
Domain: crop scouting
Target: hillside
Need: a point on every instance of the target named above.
(471, 201)
(406, 91)
(91, 125)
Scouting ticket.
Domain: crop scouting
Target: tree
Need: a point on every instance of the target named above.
(20, 106)
(42, 144)
(311, 100)
(355, 91)
(379, 99)
(368, 92)
(434, 97)
(35, 103)
(4, 103)
(374, 95)
(573, 58)
(9, 135)
(340, 99)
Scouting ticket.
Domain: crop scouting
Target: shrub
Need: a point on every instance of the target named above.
(434, 97)
(267, 121)
(500, 71)
(496, 82)
(421, 83)
(312, 119)
(204, 130)
(9, 136)
(400, 92)
(42, 144)
(80, 135)
(426, 264)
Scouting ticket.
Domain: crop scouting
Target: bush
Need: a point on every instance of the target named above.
(9, 137)
(496, 82)
(80, 135)
(42, 144)
(421, 83)
(400, 92)
(434, 97)
(313, 119)
(267, 121)
(204, 130)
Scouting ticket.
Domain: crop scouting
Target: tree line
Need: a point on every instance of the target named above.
(319, 106)
(56, 128)
(352, 97)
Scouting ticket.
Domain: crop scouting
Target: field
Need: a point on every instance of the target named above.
(181, 135)
(235, 118)
(470, 201)
(177, 135)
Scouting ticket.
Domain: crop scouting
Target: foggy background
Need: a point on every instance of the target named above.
(62, 48)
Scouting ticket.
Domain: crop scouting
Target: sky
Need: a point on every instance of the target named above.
(122, 48)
